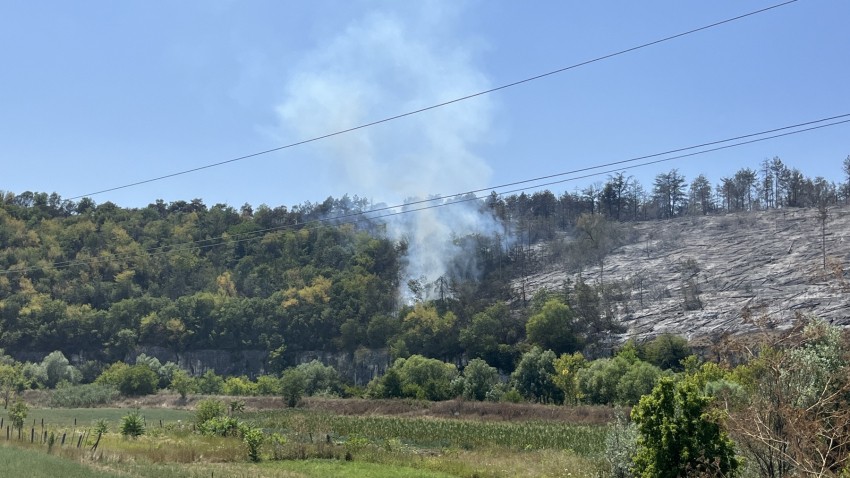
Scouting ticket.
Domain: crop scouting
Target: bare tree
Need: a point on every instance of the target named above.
(795, 419)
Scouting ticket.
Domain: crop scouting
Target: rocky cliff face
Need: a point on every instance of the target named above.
(701, 277)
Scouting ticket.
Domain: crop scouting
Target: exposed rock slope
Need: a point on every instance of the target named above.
(704, 276)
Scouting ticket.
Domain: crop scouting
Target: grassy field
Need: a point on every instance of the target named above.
(314, 443)
(66, 417)
(16, 461)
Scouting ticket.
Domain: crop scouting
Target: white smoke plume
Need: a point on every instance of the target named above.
(379, 66)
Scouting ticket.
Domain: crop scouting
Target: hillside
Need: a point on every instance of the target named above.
(763, 265)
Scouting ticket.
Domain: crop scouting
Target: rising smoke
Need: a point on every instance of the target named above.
(379, 66)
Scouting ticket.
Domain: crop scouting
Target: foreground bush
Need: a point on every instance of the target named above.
(209, 409)
(132, 425)
(678, 435)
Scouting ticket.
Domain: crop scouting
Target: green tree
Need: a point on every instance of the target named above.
(209, 383)
(253, 439)
(567, 368)
(555, 328)
(665, 351)
(320, 379)
(239, 386)
(426, 378)
(17, 415)
(534, 377)
(491, 335)
(268, 385)
(11, 379)
(181, 383)
(479, 378)
(680, 435)
(131, 380)
(416, 377)
(598, 382)
(292, 386)
(58, 368)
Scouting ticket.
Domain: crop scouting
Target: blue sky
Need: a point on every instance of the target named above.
(98, 94)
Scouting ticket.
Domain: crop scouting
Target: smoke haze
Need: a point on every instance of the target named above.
(383, 65)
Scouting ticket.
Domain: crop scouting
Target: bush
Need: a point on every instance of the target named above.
(620, 446)
(241, 386)
(425, 378)
(268, 385)
(220, 426)
(209, 409)
(132, 425)
(83, 396)
(678, 435)
(292, 386)
(209, 383)
(253, 438)
(17, 415)
(181, 383)
(534, 377)
(665, 351)
(138, 380)
(479, 380)
(320, 379)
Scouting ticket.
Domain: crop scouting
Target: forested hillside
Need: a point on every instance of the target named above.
(97, 280)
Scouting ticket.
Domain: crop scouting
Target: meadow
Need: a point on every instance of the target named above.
(304, 443)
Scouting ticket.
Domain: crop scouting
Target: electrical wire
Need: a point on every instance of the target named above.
(409, 207)
(439, 105)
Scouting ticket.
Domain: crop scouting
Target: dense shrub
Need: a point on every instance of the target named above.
(220, 426)
(292, 385)
(678, 435)
(181, 383)
(209, 383)
(131, 380)
(479, 380)
(621, 380)
(665, 351)
(268, 385)
(534, 377)
(239, 386)
(417, 377)
(320, 379)
(83, 396)
(209, 409)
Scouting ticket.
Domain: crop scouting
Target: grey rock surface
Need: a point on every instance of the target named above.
(702, 277)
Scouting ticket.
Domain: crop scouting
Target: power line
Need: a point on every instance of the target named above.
(439, 105)
(425, 204)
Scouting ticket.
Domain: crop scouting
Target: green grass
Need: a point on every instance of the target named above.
(38, 464)
(347, 469)
(64, 417)
(314, 445)
(283, 469)
(587, 440)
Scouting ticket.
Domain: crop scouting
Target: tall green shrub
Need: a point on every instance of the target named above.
(679, 435)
